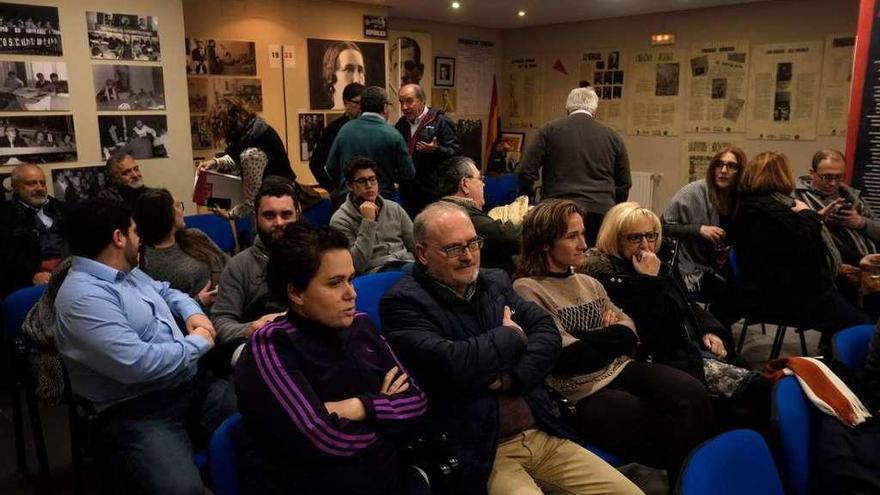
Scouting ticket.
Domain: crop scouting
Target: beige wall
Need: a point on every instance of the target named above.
(765, 22)
(174, 172)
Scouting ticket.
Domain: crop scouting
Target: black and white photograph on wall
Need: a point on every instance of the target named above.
(220, 57)
(613, 60)
(123, 36)
(376, 26)
(34, 87)
(78, 184)
(201, 136)
(331, 117)
(667, 79)
(719, 88)
(197, 90)
(311, 125)
(249, 90)
(128, 87)
(470, 135)
(782, 106)
(334, 64)
(29, 30)
(444, 71)
(700, 66)
(142, 136)
(6, 187)
(405, 55)
(45, 139)
(443, 99)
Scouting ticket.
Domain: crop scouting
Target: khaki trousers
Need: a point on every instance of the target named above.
(532, 460)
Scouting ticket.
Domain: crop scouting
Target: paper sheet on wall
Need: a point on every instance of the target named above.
(410, 60)
(604, 70)
(274, 56)
(654, 99)
(717, 76)
(783, 99)
(523, 96)
(696, 155)
(836, 79)
(289, 57)
(475, 67)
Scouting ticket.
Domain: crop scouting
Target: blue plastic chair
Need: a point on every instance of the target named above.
(216, 227)
(734, 463)
(319, 214)
(850, 345)
(244, 228)
(794, 417)
(370, 289)
(15, 308)
(223, 453)
(499, 190)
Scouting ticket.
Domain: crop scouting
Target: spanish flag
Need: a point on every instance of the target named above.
(493, 129)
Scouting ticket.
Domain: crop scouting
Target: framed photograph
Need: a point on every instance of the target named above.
(31, 139)
(29, 30)
(249, 90)
(334, 64)
(201, 135)
(142, 136)
(512, 141)
(444, 71)
(311, 125)
(128, 87)
(220, 57)
(34, 87)
(123, 36)
(79, 183)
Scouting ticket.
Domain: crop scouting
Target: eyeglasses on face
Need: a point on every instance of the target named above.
(732, 166)
(832, 177)
(363, 181)
(636, 237)
(457, 250)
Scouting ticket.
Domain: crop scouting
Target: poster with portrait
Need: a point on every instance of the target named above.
(220, 57)
(837, 65)
(333, 64)
(128, 87)
(34, 86)
(29, 30)
(249, 90)
(197, 90)
(311, 126)
(654, 100)
(443, 99)
(409, 62)
(142, 136)
(604, 68)
(717, 81)
(697, 155)
(79, 183)
(783, 101)
(123, 36)
(44, 139)
(201, 135)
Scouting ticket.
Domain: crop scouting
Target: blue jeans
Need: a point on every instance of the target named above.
(146, 443)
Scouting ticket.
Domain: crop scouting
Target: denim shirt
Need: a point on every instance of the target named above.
(117, 334)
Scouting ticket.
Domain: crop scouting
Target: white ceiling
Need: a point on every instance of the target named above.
(502, 14)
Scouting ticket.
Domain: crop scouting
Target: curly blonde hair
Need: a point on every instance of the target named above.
(229, 118)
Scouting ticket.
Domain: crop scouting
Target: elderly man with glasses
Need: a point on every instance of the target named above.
(481, 354)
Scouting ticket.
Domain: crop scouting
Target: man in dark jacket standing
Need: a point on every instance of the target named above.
(431, 139)
(481, 353)
(583, 160)
(351, 98)
(31, 231)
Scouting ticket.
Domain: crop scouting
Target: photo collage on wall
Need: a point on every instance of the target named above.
(217, 68)
(120, 89)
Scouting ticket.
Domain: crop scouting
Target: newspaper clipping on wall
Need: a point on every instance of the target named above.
(655, 93)
(837, 67)
(523, 93)
(697, 155)
(717, 87)
(784, 91)
(604, 70)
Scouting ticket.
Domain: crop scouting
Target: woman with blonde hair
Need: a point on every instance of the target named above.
(786, 275)
(646, 412)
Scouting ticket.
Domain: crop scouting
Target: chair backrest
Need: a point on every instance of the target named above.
(223, 454)
(244, 227)
(216, 227)
(370, 289)
(850, 345)
(16, 307)
(319, 214)
(734, 463)
(499, 190)
(794, 417)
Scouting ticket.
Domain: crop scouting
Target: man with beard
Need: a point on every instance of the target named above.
(481, 354)
(243, 302)
(126, 181)
(430, 137)
(116, 329)
(32, 231)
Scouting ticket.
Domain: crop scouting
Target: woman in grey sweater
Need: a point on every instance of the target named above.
(185, 258)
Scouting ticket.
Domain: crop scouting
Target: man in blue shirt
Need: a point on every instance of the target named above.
(117, 332)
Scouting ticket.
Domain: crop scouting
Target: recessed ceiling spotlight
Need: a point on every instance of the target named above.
(521, 13)
(455, 5)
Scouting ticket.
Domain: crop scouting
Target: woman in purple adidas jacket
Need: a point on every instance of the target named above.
(321, 392)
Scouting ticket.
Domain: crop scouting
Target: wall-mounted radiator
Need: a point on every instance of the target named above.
(643, 187)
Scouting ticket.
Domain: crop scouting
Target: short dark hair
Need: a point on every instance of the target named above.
(91, 223)
(373, 99)
(115, 159)
(452, 171)
(154, 215)
(276, 186)
(296, 256)
(352, 91)
(358, 163)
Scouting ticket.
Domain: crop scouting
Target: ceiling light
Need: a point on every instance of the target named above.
(455, 5)
(521, 13)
